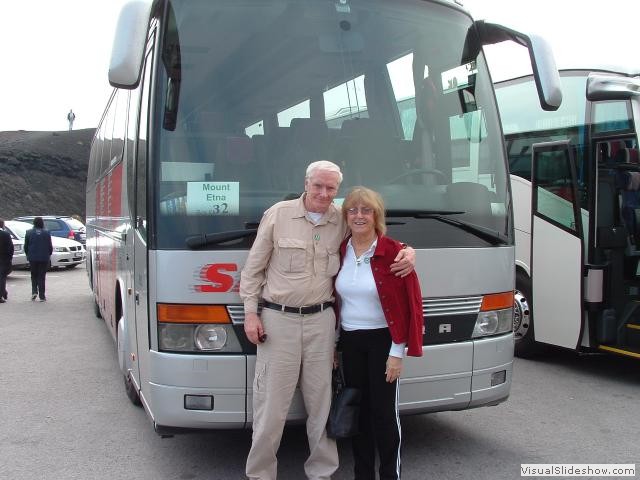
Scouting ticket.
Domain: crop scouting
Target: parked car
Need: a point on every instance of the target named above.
(19, 257)
(66, 253)
(60, 226)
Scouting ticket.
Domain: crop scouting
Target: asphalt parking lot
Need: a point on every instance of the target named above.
(64, 413)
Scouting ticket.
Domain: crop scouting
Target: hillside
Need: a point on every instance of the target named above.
(43, 173)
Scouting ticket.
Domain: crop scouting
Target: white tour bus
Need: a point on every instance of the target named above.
(575, 179)
(219, 106)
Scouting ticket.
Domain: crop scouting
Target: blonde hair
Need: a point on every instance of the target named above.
(369, 198)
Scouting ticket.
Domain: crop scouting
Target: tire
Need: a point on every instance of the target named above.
(130, 390)
(523, 330)
(96, 309)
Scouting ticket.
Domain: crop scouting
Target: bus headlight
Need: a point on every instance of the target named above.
(197, 338)
(195, 329)
(210, 337)
(495, 316)
(493, 323)
(175, 337)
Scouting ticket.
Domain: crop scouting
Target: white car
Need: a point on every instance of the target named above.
(19, 258)
(66, 253)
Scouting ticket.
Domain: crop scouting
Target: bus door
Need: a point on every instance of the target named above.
(556, 245)
(141, 254)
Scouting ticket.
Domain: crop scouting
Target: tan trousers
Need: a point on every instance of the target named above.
(298, 347)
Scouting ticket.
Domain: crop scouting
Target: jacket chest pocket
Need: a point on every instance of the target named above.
(333, 263)
(292, 255)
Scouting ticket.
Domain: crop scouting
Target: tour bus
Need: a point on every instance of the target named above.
(219, 106)
(575, 181)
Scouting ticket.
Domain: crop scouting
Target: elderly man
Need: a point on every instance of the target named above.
(290, 268)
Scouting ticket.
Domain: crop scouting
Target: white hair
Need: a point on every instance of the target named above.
(323, 165)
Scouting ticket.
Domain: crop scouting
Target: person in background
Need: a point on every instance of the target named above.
(380, 315)
(6, 255)
(291, 268)
(38, 247)
(70, 118)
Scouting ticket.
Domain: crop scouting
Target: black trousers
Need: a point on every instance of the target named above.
(38, 275)
(364, 357)
(5, 268)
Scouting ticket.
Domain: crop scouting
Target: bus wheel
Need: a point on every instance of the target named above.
(130, 389)
(525, 345)
(96, 309)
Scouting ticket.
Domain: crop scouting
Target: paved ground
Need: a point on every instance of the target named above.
(64, 414)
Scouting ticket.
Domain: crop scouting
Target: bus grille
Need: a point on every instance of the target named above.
(236, 312)
(436, 307)
(433, 307)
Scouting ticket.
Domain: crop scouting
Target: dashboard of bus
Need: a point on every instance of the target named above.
(396, 93)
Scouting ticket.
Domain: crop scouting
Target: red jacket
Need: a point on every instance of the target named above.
(401, 298)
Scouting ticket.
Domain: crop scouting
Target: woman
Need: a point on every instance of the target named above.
(380, 314)
(38, 247)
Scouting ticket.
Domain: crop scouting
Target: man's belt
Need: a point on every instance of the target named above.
(299, 310)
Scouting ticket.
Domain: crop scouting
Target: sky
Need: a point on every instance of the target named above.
(56, 53)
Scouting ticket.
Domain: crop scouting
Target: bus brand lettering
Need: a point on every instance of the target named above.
(218, 281)
(444, 328)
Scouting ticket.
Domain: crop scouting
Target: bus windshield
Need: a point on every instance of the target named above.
(396, 93)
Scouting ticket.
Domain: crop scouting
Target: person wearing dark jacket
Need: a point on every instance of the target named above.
(38, 247)
(6, 254)
(380, 315)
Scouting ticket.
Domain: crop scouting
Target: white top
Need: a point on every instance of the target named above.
(360, 307)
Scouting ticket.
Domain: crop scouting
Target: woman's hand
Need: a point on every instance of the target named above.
(394, 368)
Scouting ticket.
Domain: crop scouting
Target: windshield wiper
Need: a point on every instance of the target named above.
(197, 241)
(421, 213)
(491, 236)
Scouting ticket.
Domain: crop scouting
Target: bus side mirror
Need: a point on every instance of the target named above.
(610, 87)
(545, 72)
(129, 43)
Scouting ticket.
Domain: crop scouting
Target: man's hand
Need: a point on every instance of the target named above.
(404, 263)
(253, 327)
(394, 368)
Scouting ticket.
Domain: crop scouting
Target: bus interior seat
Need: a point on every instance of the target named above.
(611, 148)
(276, 140)
(472, 198)
(309, 142)
(261, 157)
(629, 183)
(367, 152)
(236, 160)
(626, 155)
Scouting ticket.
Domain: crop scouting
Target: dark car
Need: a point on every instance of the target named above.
(61, 226)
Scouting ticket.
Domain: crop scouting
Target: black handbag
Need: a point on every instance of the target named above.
(345, 408)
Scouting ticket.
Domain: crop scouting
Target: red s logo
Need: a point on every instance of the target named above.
(217, 280)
